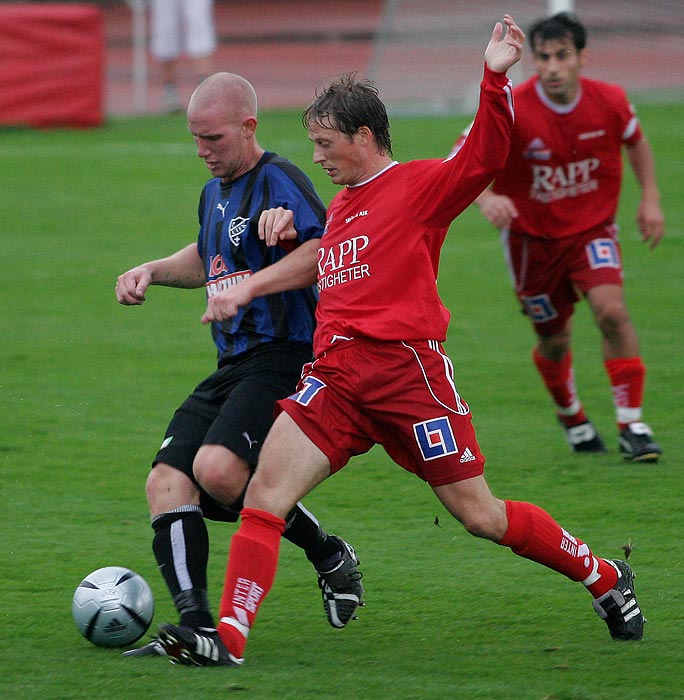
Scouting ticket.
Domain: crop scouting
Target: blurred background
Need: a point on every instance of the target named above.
(424, 55)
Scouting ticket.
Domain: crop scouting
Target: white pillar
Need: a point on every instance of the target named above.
(555, 6)
(139, 48)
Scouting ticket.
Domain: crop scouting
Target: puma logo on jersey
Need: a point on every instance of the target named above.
(222, 208)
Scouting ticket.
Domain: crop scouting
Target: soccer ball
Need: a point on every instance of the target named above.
(113, 607)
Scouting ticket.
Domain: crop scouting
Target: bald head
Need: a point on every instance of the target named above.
(222, 119)
(227, 94)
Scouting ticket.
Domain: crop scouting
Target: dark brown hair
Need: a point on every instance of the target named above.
(346, 105)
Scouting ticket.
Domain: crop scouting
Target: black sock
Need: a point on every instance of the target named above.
(181, 548)
(303, 530)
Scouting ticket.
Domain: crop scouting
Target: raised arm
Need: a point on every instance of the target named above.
(505, 46)
(443, 194)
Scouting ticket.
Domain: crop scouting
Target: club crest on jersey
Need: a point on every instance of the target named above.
(435, 438)
(236, 228)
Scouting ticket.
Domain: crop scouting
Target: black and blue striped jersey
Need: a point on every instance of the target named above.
(230, 247)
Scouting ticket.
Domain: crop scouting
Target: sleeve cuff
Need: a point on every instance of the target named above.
(494, 78)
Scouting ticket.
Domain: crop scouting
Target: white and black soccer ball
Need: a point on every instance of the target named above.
(113, 607)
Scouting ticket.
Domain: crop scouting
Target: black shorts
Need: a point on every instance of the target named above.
(233, 407)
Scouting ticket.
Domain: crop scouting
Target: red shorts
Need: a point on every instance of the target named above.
(400, 395)
(549, 273)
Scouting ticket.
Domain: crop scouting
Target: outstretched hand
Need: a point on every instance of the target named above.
(505, 47)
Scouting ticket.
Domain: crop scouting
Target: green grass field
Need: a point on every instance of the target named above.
(87, 388)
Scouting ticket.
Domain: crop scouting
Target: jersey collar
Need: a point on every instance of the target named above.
(370, 179)
(554, 106)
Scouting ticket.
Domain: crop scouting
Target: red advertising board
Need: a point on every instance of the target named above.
(51, 64)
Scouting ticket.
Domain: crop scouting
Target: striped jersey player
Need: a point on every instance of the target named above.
(213, 439)
(232, 251)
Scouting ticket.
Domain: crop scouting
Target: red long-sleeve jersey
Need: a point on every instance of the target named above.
(564, 167)
(379, 256)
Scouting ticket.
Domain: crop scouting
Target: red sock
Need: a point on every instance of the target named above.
(252, 565)
(559, 380)
(532, 533)
(627, 377)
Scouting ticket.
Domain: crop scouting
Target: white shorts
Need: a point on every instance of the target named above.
(178, 26)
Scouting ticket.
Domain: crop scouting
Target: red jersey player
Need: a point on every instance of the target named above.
(556, 201)
(380, 374)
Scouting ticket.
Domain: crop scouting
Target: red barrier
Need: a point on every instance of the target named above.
(51, 64)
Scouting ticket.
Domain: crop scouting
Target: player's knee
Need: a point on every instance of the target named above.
(554, 347)
(161, 478)
(480, 525)
(612, 319)
(167, 488)
(487, 521)
(221, 473)
(267, 491)
(210, 466)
